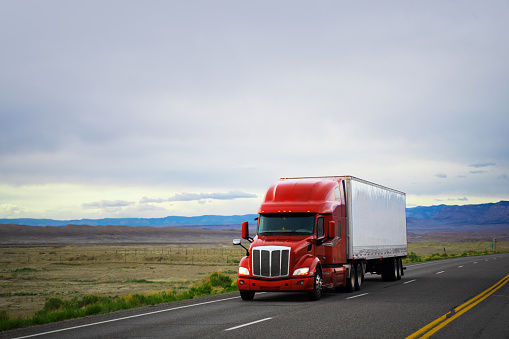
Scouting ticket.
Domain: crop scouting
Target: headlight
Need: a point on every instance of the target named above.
(301, 271)
(243, 271)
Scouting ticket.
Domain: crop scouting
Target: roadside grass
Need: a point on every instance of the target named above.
(414, 258)
(57, 309)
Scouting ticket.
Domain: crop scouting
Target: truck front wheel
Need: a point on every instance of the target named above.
(247, 295)
(317, 286)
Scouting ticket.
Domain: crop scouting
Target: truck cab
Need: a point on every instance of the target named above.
(300, 243)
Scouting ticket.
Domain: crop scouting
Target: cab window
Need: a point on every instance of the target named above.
(319, 228)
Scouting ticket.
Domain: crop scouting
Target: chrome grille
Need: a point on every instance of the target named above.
(271, 261)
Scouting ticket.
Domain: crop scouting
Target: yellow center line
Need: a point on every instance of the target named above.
(439, 323)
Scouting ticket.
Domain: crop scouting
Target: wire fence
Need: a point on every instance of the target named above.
(128, 254)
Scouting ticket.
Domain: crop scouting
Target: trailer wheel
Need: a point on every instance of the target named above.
(398, 268)
(350, 283)
(402, 273)
(389, 269)
(384, 268)
(247, 295)
(317, 286)
(359, 276)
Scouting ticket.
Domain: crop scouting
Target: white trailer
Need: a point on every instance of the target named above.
(376, 226)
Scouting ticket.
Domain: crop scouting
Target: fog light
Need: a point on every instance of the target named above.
(301, 282)
(241, 282)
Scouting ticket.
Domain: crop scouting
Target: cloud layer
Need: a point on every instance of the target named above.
(170, 97)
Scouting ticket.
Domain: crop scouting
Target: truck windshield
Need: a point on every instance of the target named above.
(295, 223)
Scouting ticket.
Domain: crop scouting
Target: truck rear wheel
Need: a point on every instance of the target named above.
(350, 282)
(398, 268)
(247, 295)
(317, 286)
(359, 276)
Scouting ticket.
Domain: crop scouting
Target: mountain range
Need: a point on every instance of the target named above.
(176, 221)
(440, 218)
(446, 218)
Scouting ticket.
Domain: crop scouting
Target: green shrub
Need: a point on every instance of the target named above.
(412, 257)
(93, 309)
(53, 304)
(220, 280)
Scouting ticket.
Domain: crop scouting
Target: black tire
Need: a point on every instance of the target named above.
(247, 295)
(398, 268)
(316, 294)
(359, 276)
(350, 282)
(384, 270)
(395, 269)
(389, 269)
(401, 267)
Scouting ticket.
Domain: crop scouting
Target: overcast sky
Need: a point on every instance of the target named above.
(157, 108)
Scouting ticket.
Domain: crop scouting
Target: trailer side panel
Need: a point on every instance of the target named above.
(376, 220)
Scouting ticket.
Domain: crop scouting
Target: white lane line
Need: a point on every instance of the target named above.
(251, 323)
(359, 295)
(424, 263)
(460, 266)
(440, 272)
(128, 317)
(409, 281)
(475, 262)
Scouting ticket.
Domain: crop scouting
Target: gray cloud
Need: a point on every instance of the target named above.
(452, 199)
(478, 172)
(108, 204)
(485, 164)
(441, 175)
(200, 197)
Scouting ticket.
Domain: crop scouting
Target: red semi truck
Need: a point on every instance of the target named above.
(323, 233)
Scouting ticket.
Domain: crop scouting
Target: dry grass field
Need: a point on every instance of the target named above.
(428, 248)
(39, 263)
(30, 275)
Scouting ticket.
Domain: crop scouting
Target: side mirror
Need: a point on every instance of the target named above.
(333, 230)
(237, 242)
(245, 230)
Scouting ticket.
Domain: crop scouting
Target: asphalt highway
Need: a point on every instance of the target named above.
(465, 297)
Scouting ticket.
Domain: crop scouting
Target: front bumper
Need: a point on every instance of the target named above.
(293, 284)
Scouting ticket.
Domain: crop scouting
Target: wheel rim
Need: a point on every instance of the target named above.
(318, 284)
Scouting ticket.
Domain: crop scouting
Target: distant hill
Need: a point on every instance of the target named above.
(433, 223)
(204, 220)
(441, 218)
(83, 234)
(445, 218)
